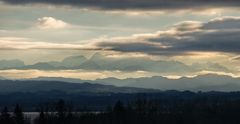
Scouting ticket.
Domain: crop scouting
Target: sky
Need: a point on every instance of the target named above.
(90, 39)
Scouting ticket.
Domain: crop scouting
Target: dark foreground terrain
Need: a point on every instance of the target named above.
(59, 102)
(169, 107)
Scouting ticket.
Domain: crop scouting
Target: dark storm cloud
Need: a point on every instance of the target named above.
(135, 4)
(218, 35)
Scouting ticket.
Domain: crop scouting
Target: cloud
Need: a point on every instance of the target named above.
(134, 4)
(235, 58)
(27, 43)
(50, 23)
(227, 22)
(53, 23)
(217, 35)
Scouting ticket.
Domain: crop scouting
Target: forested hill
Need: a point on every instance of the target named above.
(11, 86)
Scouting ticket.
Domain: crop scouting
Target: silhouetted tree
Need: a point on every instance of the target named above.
(170, 110)
(119, 112)
(5, 117)
(61, 111)
(18, 115)
(119, 107)
(70, 116)
(42, 118)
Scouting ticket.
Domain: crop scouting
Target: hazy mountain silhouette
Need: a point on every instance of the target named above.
(101, 62)
(5, 64)
(8, 86)
(2, 78)
(73, 61)
(208, 82)
(40, 66)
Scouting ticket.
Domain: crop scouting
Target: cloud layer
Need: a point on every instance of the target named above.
(135, 4)
(220, 35)
(10, 43)
(217, 35)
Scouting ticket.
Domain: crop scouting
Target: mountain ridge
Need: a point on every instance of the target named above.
(8, 86)
(102, 62)
(206, 82)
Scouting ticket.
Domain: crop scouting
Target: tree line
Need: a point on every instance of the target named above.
(140, 111)
(17, 117)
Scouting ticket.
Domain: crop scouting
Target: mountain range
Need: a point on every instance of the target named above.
(208, 82)
(101, 62)
(32, 86)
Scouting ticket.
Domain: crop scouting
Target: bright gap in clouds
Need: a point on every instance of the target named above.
(78, 74)
(93, 75)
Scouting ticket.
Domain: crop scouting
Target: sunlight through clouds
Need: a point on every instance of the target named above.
(190, 36)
